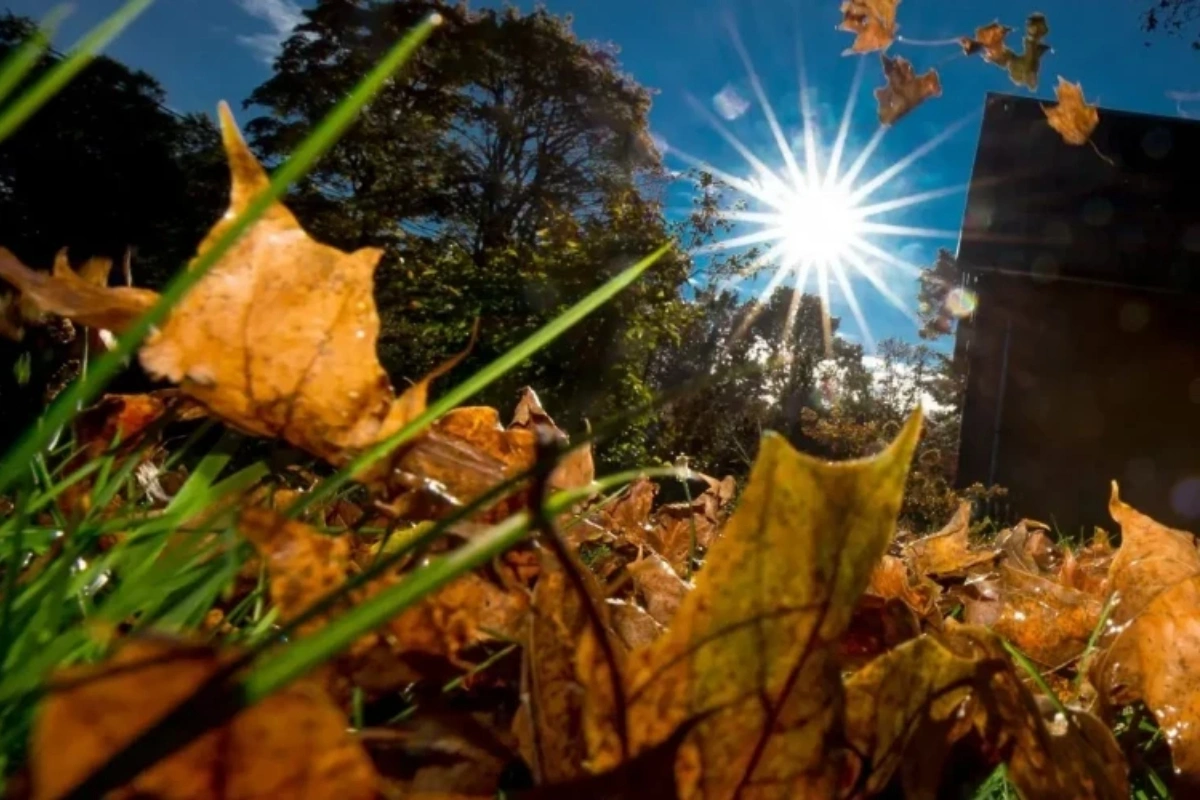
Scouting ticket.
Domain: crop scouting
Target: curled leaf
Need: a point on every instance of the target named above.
(1154, 641)
(1023, 67)
(905, 90)
(82, 297)
(874, 22)
(948, 552)
(989, 42)
(1073, 118)
(425, 641)
(292, 744)
(576, 468)
(754, 644)
(906, 710)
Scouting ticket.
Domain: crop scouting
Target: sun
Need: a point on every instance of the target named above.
(815, 219)
(817, 224)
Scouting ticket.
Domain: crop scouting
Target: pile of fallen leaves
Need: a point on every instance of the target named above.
(793, 647)
(874, 24)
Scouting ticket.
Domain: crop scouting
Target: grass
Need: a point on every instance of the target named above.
(75, 592)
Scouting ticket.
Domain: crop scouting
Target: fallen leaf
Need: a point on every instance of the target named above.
(1151, 559)
(905, 90)
(754, 644)
(425, 641)
(1073, 118)
(1086, 569)
(1047, 621)
(576, 468)
(550, 731)
(659, 588)
(874, 22)
(1026, 546)
(891, 580)
(82, 297)
(650, 774)
(438, 754)
(630, 514)
(906, 710)
(1154, 641)
(989, 41)
(632, 624)
(948, 552)
(291, 744)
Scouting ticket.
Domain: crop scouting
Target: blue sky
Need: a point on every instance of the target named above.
(203, 51)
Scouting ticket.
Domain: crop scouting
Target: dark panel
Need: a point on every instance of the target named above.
(1098, 383)
(1083, 356)
(1039, 207)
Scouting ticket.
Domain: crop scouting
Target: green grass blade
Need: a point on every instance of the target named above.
(277, 669)
(22, 59)
(61, 73)
(102, 370)
(481, 379)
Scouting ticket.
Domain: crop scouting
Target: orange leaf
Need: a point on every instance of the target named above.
(1073, 118)
(82, 297)
(989, 40)
(279, 338)
(292, 744)
(905, 90)
(948, 552)
(874, 22)
(1154, 640)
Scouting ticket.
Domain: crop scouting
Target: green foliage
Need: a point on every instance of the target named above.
(934, 286)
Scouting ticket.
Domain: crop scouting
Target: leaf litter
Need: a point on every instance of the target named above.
(809, 655)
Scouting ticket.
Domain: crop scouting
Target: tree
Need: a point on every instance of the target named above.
(102, 168)
(935, 297)
(105, 166)
(509, 173)
(1175, 17)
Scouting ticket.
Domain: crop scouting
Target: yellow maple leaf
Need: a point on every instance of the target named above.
(752, 648)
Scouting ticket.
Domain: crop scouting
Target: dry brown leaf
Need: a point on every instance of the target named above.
(576, 469)
(629, 516)
(425, 641)
(438, 754)
(659, 588)
(905, 90)
(550, 726)
(1049, 622)
(1027, 546)
(989, 41)
(292, 744)
(82, 297)
(1073, 118)
(279, 338)
(754, 645)
(891, 580)
(908, 708)
(1152, 558)
(948, 552)
(1087, 569)
(632, 624)
(1154, 641)
(874, 22)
